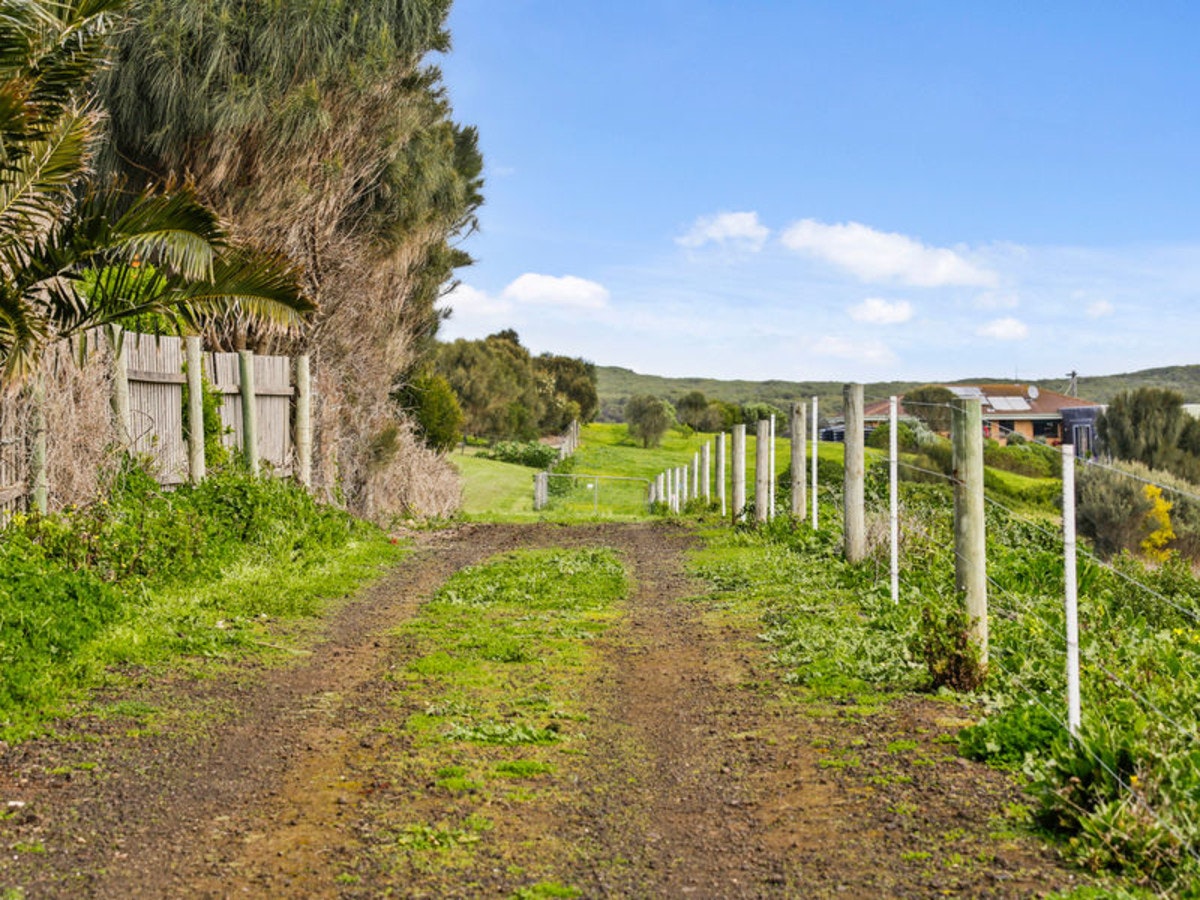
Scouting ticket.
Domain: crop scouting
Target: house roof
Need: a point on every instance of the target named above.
(999, 401)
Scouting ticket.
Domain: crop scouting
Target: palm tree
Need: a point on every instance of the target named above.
(76, 254)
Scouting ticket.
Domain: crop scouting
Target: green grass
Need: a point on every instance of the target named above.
(495, 490)
(234, 567)
(491, 703)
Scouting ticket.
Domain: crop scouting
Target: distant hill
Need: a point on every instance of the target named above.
(616, 385)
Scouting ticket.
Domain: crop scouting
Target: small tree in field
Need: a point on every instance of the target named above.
(930, 403)
(648, 419)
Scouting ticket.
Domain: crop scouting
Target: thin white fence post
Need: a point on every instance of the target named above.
(816, 437)
(739, 471)
(695, 474)
(706, 473)
(771, 470)
(894, 495)
(1071, 586)
(721, 473)
(855, 523)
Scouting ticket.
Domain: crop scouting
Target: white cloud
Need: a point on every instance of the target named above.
(468, 302)
(1007, 329)
(872, 352)
(566, 291)
(737, 229)
(1099, 309)
(877, 311)
(878, 256)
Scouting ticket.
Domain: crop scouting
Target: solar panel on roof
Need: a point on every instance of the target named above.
(967, 393)
(1008, 404)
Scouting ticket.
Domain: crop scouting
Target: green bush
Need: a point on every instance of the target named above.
(906, 438)
(1030, 459)
(534, 454)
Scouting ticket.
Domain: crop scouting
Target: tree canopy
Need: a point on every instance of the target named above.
(1150, 426)
(318, 129)
(648, 419)
(508, 394)
(78, 252)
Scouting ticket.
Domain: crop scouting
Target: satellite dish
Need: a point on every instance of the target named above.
(1033, 392)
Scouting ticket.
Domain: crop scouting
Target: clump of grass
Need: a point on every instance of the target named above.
(145, 575)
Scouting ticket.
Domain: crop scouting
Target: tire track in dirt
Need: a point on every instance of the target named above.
(701, 778)
(161, 809)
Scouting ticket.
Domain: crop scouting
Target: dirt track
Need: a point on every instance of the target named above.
(702, 777)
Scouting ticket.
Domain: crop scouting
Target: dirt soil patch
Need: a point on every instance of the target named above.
(704, 776)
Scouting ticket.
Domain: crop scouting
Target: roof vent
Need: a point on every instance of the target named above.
(1033, 392)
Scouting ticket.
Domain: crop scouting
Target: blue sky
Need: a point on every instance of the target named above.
(834, 190)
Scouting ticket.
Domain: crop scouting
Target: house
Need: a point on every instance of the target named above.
(1024, 409)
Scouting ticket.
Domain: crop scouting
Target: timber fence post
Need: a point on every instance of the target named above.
(38, 477)
(197, 465)
(855, 523)
(249, 409)
(762, 471)
(739, 472)
(120, 391)
(304, 434)
(970, 551)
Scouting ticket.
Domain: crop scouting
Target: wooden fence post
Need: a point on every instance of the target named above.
(855, 521)
(197, 465)
(120, 391)
(799, 446)
(970, 557)
(303, 429)
(37, 458)
(739, 472)
(249, 411)
(762, 471)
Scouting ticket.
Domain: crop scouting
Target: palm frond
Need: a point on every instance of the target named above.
(249, 288)
(175, 231)
(22, 336)
(37, 189)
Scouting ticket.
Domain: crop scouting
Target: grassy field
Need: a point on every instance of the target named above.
(497, 491)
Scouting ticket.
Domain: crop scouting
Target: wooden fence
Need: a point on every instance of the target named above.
(149, 382)
(155, 371)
